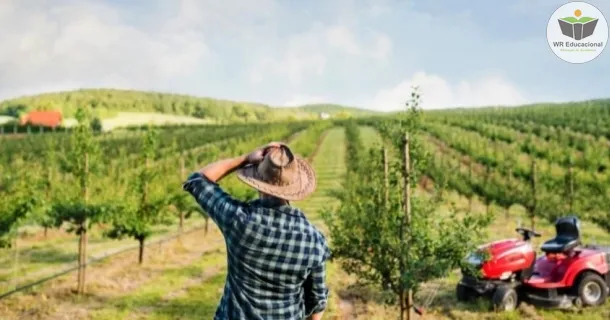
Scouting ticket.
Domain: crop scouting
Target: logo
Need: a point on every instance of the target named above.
(577, 32)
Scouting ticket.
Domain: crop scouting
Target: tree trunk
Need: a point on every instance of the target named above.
(141, 253)
(81, 260)
(403, 309)
(46, 230)
(181, 225)
(82, 245)
(207, 225)
(409, 305)
(16, 261)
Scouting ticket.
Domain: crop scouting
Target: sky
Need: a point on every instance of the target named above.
(363, 53)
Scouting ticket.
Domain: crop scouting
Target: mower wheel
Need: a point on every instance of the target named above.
(591, 289)
(505, 298)
(464, 294)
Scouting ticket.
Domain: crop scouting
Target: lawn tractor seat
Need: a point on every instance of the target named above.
(567, 238)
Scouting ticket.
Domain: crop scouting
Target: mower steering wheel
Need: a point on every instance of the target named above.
(527, 233)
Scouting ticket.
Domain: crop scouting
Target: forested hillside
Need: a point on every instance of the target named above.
(108, 102)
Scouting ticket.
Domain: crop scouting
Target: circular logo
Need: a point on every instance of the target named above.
(577, 32)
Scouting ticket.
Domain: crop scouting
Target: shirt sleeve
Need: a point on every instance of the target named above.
(219, 205)
(316, 291)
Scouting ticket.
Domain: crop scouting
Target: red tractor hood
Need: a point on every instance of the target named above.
(499, 247)
(504, 257)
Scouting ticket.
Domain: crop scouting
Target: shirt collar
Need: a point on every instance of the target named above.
(276, 204)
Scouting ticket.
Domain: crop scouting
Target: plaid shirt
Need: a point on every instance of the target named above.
(276, 258)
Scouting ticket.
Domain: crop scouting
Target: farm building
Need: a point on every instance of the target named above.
(42, 118)
(324, 115)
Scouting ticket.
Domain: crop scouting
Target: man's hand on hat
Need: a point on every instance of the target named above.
(257, 156)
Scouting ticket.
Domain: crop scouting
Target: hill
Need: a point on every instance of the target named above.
(106, 103)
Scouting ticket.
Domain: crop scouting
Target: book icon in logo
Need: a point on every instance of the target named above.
(577, 27)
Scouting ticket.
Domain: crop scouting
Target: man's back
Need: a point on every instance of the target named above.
(275, 256)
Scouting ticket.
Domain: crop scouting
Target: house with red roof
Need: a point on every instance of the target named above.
(42, 118)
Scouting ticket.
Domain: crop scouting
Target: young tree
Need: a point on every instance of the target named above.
(136, 219)
(401, 242)
(19, 203)
(81, 160)
(183, 205)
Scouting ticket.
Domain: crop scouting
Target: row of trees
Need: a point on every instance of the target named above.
(588, 189)
(544, 194)
(383, 231)
(591, 117)
(169, 138)
(130, 195)
(592, 156)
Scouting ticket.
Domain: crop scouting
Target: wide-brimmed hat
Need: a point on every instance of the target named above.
(281, 174)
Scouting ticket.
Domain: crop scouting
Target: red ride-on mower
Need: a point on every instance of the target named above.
(568, 274)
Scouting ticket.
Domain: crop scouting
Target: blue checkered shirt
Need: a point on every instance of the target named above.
(276, 258)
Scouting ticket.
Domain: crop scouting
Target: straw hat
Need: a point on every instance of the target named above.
(280, 174)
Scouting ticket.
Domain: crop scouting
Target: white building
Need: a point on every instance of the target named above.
(324, 115)
(7, 119)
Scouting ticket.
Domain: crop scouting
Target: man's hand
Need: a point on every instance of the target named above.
(257, 156)
(219, 169)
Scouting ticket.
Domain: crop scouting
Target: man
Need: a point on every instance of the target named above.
(276, 258)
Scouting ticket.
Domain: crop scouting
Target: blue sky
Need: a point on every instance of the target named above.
(363, 53)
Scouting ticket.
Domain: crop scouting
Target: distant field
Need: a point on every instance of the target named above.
(125, 119)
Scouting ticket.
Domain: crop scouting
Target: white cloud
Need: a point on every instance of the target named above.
(344, 39)
(307, 54)
(301, 58)
(299, 100)
(88, 43)
(437, 92)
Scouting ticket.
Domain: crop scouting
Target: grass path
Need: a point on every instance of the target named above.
(370, 137)
(329, 164)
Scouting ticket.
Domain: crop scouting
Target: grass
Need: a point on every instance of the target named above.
(40, 258)
(172, 294)
(118, 285)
